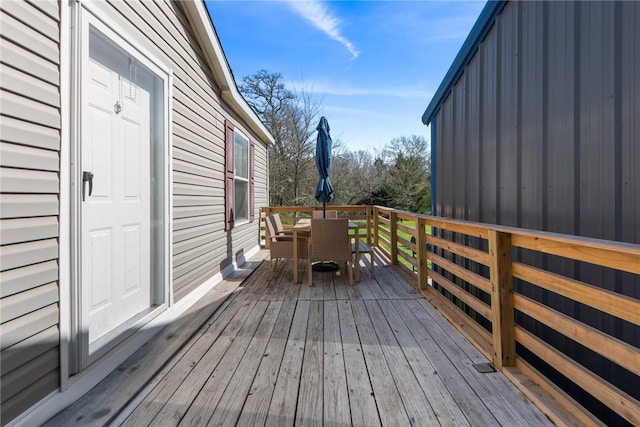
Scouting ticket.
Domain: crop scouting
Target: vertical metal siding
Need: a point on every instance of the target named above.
(472, 143)
(29, 183)
(488, 57)
(459, 136)
(508, 138)
(553, 95)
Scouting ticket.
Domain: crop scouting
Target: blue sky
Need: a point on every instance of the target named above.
(372, 65)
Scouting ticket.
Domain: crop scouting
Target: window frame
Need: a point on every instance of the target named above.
(238, 178)
(229, 185)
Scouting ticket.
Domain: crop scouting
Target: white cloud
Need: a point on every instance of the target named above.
(328, 88)
(321, 17)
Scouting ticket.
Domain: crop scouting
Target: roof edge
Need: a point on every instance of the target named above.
(480, 29)
(205, 31)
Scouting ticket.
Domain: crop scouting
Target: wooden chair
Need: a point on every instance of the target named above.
(364, 249)
(320, 214)
(281, 245)
(330, 241)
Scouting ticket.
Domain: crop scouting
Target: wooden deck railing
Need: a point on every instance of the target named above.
(514, 294)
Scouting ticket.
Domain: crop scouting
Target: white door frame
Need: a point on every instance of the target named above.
(75, 348)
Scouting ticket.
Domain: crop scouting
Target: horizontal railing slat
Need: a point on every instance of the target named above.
(620, 257)
(466, 275)
(613, 349)
(461, 294)
(462, 250)
(621, 306)
(616, 399)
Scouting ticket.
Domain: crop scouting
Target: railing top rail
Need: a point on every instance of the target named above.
(543, 241)
(532, 239)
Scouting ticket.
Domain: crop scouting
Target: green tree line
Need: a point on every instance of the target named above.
(398, 176)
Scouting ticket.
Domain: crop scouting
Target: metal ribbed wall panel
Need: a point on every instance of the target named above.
(541, 131)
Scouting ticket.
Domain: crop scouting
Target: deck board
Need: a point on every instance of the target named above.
(310, 398)
(390, 406)
(283, 407)
(336, 396)
(256, 406)
(364, 411)
(442, 402)
(202, 407)
(232, 401)
(417, 406)
(282, 354)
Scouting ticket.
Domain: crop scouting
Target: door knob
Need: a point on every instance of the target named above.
(87, 177)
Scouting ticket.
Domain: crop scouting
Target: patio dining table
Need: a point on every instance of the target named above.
(303, 228)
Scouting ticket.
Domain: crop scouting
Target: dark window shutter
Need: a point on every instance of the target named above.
(228, 175)
(252, 150)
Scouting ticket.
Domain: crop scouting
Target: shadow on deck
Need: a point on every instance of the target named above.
(278, 354)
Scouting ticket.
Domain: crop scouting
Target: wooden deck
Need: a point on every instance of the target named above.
(279, 354)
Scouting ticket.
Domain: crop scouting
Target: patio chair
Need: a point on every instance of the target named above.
(279, 229)
(281, 245)
(364, 249)
(320, 214)
(330, 241)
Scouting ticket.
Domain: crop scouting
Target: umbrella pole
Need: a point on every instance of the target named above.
(324, 210)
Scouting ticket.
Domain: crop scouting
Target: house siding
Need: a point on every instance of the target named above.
(29, 183)
(540, 131)
(200, 247)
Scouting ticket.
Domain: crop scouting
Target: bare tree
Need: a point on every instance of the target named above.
(291, 117)
(354, 176)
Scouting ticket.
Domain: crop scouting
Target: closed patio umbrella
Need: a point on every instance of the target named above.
(324, 190)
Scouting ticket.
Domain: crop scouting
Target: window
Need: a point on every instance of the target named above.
(239, 177)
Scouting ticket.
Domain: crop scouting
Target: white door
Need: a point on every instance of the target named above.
(115, 164)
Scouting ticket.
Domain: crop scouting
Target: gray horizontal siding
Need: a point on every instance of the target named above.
(34, 18)
(27, 229)
(28, 110)
(26, 302)
(29, 134)
(29, 396)
(28, 62)
(21, 33)
(30, 87)
(28, 180)
(25, 327)
(21, 378)
(29, 207)
(30, 348)
(28, 277)
(20, 156)
(200, 246)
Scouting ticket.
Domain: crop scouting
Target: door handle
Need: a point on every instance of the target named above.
(87, 176)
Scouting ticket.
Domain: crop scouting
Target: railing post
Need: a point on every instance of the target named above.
(502, 317)
(263, 220)
(421, 253)
(376, 226)
(368, 215)
(393, 231)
